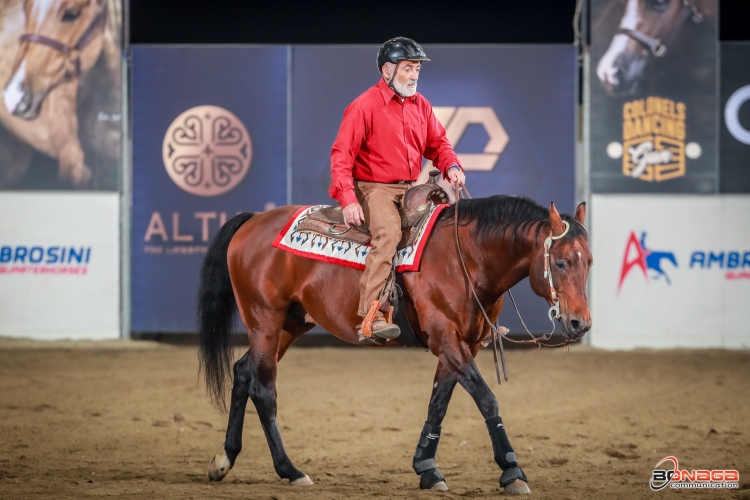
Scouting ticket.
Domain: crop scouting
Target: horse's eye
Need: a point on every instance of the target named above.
(71, 14)
(560, 264)
(659, 5)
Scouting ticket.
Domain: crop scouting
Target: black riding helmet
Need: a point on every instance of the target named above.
(399, 49)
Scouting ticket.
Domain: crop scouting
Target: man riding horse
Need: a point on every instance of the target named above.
(376, 157)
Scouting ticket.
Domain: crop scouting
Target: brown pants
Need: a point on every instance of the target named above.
(380, 203)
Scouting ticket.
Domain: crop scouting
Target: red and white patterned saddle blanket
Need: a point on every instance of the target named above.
(346, 253)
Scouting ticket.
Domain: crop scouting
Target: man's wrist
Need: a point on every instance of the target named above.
(455, 166)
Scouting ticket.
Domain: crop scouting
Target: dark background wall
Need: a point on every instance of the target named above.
(508, 21)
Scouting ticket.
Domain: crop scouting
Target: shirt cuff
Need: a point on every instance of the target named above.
(347, 198)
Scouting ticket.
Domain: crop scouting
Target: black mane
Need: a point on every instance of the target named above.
(510, 216)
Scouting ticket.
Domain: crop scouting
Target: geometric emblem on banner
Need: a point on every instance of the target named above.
(456, 120)
(207, 151)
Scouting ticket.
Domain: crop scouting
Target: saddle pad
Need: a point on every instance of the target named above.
(346, 253)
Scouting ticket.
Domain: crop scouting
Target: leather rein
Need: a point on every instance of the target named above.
(495, 333)
(72, 51)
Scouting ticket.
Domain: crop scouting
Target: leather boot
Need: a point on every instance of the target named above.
(380, 329)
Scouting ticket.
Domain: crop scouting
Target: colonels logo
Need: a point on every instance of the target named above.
(653, 133)
(207, 151)
(694, 479)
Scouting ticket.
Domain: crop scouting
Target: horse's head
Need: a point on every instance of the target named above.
(568, 263)
(646, 29)
(63, 38)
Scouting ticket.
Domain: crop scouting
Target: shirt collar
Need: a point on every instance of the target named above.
(388, 93)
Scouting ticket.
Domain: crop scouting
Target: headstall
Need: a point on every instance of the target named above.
(495, 333)
(72, 51)
(653, 44)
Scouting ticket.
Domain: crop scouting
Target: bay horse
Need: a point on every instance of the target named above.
(47, 50)
(276, 292)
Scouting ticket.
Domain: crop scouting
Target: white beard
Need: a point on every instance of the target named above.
(405, 90)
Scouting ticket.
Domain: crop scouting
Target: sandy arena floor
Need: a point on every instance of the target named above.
(129, 419)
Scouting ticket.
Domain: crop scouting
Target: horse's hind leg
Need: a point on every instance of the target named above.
(220, 466)
(255, 377)
(424, 457)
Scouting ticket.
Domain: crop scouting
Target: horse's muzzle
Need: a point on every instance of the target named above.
(575, 327)
(28, 107)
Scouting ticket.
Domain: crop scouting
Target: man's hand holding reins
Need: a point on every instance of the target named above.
(457, 177)
(353, 214)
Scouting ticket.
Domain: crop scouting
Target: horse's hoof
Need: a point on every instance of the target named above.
(218, 468)
(439, 486)
(517, 487)
(303, 481)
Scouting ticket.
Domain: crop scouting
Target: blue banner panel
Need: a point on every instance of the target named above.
(509, 112)
(209, 141)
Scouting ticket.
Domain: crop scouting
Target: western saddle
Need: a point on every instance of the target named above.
(416, 206)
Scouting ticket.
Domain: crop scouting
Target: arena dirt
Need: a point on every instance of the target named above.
(131, 420)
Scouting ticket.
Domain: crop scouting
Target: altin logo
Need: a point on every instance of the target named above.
(207, 151)
(637, 254)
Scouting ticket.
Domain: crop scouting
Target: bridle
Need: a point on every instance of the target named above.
(495, 333)
(72, 51)
(655, 45)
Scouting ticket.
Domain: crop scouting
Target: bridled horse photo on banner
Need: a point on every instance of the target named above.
(60, 70)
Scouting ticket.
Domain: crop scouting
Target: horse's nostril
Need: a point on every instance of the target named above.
(575, 324)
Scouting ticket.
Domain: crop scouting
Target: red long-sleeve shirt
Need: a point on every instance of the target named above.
(383, 138)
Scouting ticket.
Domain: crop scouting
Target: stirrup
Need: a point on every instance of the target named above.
(369, 318)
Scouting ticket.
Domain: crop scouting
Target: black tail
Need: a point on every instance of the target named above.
(217, 311)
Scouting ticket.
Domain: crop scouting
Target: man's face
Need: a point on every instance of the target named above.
(407, 74)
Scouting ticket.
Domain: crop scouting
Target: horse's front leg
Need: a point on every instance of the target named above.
(424, 458)
(460, 361)
(63, 130)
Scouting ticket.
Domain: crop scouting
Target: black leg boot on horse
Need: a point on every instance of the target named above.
(513, 480)
(424, 463)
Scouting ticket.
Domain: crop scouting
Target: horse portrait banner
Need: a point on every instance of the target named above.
(209, 141)
(653, 96)
(60, 116)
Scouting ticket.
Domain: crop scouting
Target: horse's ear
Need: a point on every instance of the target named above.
(555, 220)
(580, 215)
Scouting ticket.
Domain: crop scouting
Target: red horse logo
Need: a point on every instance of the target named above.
(637, 254)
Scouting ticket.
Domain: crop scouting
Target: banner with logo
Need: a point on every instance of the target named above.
(670, 271)
(60, 119)
(653, 96)
(735, 127)
(511, 121)
(60, 266)
(209, 141)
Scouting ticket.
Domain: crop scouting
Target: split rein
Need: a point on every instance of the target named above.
(495, 333)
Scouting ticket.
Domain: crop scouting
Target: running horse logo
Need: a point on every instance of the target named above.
(637, 254)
